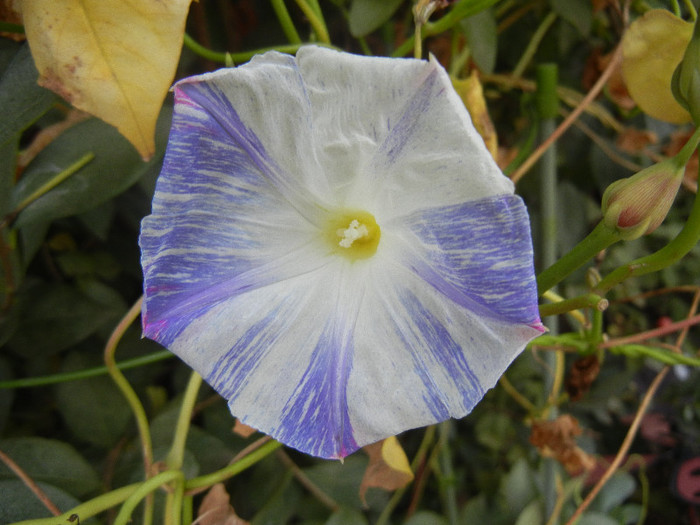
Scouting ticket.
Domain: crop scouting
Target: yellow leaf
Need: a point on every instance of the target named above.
(472, 94)
(113, 58)
(388, 466)
(651, 49)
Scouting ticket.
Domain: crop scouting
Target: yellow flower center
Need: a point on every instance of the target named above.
(353, 234)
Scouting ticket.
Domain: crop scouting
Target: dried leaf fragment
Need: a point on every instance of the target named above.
(633, 140)
(582, 374)
(471, 92)
(242, 429)
(557, 439)
(113, 59)
(216, 509)
(388, 467)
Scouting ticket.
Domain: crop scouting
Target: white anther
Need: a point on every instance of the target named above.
(352, 233)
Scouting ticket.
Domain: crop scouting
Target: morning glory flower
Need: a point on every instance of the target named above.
(334, 250)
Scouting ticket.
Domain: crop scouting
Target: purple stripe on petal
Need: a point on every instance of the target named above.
(316, 416)
(479, 254)
(431, 347)
(403, 129)
(219, 108)
(230, 373)
(444, 350)
(174, 303)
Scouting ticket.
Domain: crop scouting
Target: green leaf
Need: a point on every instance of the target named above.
(368, 15)
(18, 503)
(341, 481)
(51, 461)
(22, 100)
(6, 396)
(99, 220)
(94, 409)
(620, 487)
(279, 509)
(579, 13)
(8, 161)
(425, 517)
(31, 239)
(8, 50)
(116, 166)
(531, 515)
(518, 487)
(54, 317)
(481, 32)
(596, 518)
(346, 516)
(478, 510)
(495, 430)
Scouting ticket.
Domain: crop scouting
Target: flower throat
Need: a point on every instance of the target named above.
(353, 234)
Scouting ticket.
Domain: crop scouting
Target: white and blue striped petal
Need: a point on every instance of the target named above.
(324, 352)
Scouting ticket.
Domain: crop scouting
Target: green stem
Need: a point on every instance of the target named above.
(177, 450)
(187, 510)
(675, 6)
(144, 489)
(316, 7)
(596, 331)
(89, 508)
(131, 397)
(663, 356)
(459, 61)
(53, 182)
(590, 300)
(447, 483)
(417, 41)
(461, 10)
(234, 468)
(313, 13)
(600, 238)
(174, 501)
(534, 43)
(85, 374)
(204, 52)
(286, 21)
(547, 108)
(236, 58)
(683, 156)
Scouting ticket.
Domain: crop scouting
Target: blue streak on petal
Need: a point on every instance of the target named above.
(231, 372)
(401, 132)
(212, 100)
(174, 304)
(316, 417)
(431, 347)
(219, 109)
(479, 254)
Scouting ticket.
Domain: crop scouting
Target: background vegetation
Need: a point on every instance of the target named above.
(605, 404)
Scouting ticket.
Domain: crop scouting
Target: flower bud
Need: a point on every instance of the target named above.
(637, 205)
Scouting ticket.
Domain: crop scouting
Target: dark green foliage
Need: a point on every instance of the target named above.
(69, 271)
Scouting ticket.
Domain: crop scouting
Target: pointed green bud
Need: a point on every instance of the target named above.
(637, 205)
